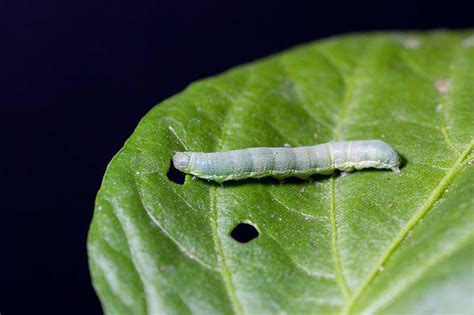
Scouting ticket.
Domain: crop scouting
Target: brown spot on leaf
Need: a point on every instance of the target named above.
(442, 86)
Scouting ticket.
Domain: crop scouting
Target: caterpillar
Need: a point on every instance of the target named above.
(282, 162)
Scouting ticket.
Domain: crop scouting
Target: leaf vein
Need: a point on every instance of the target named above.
(180, 246)
(343, 114)
(304, 215)
(308, 272)
(416, 275)
(226, 276)
(416, 70)
(220, 256)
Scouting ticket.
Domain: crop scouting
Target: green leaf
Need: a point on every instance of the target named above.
(370, 242)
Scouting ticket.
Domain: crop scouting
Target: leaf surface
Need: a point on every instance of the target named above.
(370, 242)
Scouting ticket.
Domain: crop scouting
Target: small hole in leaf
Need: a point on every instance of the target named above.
(174, 175)
(244, 233)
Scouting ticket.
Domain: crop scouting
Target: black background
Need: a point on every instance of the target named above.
(76, 77)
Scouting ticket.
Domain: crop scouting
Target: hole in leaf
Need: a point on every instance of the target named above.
(244, 233)
(175, 175)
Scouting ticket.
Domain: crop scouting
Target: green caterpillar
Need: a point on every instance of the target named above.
(301, 162)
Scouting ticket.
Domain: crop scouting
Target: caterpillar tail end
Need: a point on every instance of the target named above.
(181, 161)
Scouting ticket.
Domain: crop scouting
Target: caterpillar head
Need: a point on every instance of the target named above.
(394, 159)
(181, 161)
(386, 154)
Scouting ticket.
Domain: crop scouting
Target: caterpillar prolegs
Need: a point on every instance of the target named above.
(282, 162)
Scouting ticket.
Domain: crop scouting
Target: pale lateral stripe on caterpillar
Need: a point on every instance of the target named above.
(285, 162)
